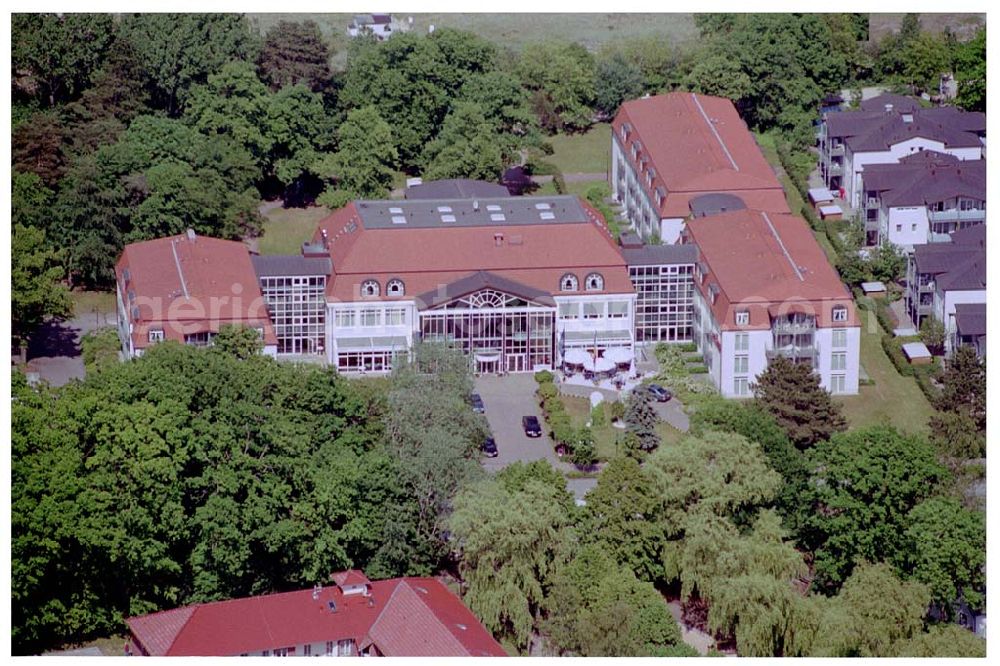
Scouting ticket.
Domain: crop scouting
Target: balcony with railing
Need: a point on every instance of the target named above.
(793, 324)
(797, 353)
(956, 215)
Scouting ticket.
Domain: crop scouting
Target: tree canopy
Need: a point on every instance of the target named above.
(791, 392)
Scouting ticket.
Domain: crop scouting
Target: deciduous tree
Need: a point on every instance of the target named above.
(35, 288)
(295, 52)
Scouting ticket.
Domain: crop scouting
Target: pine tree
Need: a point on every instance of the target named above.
(641, 419)
(792, 394)
(965, 386)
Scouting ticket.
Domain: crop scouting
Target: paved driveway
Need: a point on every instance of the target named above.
(54, 349)
(507, 399)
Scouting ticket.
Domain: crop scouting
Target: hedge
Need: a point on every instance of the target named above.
(697, 369)
(688, 347)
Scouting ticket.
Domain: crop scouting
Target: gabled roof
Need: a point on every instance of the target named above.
(958, 265)
(719, 153)
(970, 318)
(478, 281)
(278, 265)
(661, 255)
(875, 129)
(456, 188)
(922, 185)
(188, 284)
(968, 275)
(402, 617)
(899, 103)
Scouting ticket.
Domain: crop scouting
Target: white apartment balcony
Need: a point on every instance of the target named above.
(956, 215)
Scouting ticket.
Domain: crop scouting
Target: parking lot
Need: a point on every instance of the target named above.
(507, 399)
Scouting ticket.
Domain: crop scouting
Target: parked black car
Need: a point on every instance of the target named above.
(532, 428)
(659, 393)
(477, 404)
(490, 448)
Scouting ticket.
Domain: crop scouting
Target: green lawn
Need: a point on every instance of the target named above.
(893, 398)
(85, 302)
(587, 152)
(606, 436)
(285, 229)
(579, 189)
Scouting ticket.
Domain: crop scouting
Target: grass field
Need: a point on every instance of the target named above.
(85, 302)
(587, 152)
(593, 30)
(579, 189)
(963, 25)
(606, 436)
(285, 229)
(893, 398)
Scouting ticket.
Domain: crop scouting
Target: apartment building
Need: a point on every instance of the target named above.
(185, 288)
(886, 129)
(671, 152)
(942, 276)
(400, 617)
(922, 199)
(763, 287)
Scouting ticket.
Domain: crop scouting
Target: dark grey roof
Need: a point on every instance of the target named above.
(456, 188)
(661, 255)
(481, 280)
(715, 203)
(277, 265)
(969, 274)
(927, 185)
(630, 240)
(959, 265)
(486, 211)
(970, 318)
(925, 157)
(873, 130)
(899, 103)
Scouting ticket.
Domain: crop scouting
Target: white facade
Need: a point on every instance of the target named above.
(904, 226)
(944, 309)
(586, 321)
(855, 162)
(363, 336)
(736, 358)
(628, 189)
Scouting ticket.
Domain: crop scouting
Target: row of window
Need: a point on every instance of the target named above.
(343, 648)
(370, 317)
(593, 282)
(839, 313)
(615, 310)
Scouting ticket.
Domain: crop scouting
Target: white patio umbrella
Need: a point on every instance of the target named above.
(619, 355)
(577, 356)
(603, 365)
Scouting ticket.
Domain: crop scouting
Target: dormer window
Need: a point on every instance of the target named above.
(370, 288)
(743, 318)
(568, 282)
(395, 287)
(840, 313)
(595, 282)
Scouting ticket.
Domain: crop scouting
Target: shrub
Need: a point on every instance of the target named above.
(697, 369)
(544, 377)
(584, 453)
(559, 183)
(687, 347)
(617, 410)
(894, 350)
(546, 392)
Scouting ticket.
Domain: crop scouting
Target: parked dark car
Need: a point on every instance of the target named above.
(490, 448)
(659, 393)
(477, 404)
(532, 428)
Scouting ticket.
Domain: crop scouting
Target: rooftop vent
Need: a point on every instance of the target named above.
(498, 239)
(190, 235)
(475, 205)
(316, 590)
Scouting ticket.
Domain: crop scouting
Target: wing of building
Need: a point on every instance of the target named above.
(401, 617)
(764, 287)
(673, 154)
(185, 288)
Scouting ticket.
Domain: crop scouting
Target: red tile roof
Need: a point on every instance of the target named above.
(401, 617)
(221, 287)
(768, 264)
(697, 144)
(536, 255)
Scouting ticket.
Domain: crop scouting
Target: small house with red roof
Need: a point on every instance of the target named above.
(400, 617)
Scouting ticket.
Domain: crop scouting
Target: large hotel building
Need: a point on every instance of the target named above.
(516, 282)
